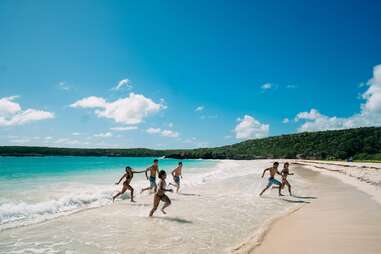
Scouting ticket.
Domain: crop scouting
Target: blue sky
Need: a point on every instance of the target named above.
(246, 66)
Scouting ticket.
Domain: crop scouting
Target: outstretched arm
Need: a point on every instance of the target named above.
(121, 179)
(146, 171)
(264, 171)
(138, 172)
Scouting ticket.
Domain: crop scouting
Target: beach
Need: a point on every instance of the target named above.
(217, 211)
(340, 218)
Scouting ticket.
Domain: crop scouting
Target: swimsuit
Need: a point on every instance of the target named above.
(272, 181)
(152, 180)
(177, 179)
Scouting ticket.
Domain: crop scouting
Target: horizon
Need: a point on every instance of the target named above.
(163, 75)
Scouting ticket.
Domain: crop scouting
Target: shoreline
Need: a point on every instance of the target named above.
(341, 214)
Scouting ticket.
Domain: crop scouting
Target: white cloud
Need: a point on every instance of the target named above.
(170, 125)
(153, 130)
(199, 108)
(169, 133)
(122, 83)
(369, 115)
(291, 86)
(11, 113)
(249, 127)
(311, 115)
(286, 120)
(76, 134)
(130, 110)
(164, 133)
(63, 86)
(266, 86)
(90, 102)
(8, 107)
(103, 135)
(121, 128)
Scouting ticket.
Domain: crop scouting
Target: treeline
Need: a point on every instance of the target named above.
(359, 144)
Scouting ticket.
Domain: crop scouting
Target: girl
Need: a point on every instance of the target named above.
(160, 194)
(286, 173)
(126, 184)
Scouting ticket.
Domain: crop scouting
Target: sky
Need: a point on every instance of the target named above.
(185, 74)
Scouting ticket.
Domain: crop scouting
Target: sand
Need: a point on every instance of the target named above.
(339, 219)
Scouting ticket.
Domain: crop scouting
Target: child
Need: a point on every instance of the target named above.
(286, 173)
(126, 184)
(160, 194)
(177, 173)
(273, 170)
(152, 178)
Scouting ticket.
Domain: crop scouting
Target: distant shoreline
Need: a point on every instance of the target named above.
(350, 144)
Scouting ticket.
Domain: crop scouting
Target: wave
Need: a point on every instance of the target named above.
(78, 197)
(20, 214)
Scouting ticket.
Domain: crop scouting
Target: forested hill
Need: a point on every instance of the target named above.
(360, 143)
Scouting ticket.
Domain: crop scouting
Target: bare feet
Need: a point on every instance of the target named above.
(133, 201)
(162, 210)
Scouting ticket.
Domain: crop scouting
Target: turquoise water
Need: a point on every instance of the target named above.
(33, 189)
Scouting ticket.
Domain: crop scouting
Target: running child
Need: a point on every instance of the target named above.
(154, 169)
(126, 184)
(177, 173)
(285, 172)
(160, 194)
(273, 170)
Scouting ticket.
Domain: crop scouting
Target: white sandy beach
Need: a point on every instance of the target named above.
(219, 211)
(342, 217)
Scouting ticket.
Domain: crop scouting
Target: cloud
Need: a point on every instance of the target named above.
(76, 134)
(369, 115)
(199, 108)
(121, 128)
(122, 83)
(249, 127)
(170, 125)
(8, 107)
(164, 133)
(291, 86)
(63, 86)
(11, 113)
(286, 120)
(103, 135)
(169, 133)
(130, 110)
(266, 86)
(311, 115)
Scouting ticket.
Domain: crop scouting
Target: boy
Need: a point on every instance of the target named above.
(273, 170)
(154, 169)
(177, 173)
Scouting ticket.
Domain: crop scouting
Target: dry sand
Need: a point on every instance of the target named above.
(338, 219)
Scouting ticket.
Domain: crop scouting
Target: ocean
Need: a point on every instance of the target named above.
(64, 205)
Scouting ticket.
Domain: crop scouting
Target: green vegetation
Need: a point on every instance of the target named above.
(360, 144)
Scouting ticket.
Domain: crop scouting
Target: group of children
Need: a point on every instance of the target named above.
(159, 192)
(177, 174)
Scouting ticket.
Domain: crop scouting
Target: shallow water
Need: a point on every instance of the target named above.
(217, 208)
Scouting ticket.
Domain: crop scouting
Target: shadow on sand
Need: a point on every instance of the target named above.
(304, 197)
(175, 219)
(295, 201)
(189, 194)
